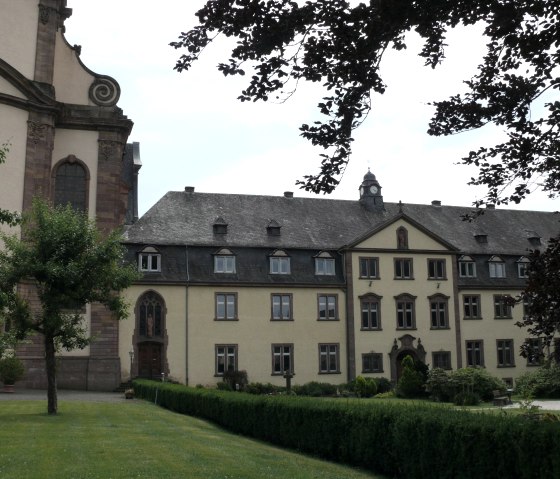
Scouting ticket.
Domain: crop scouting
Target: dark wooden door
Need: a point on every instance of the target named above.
(149, 360)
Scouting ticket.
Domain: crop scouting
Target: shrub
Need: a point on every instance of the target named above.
(263, 388)
(383, 385)
(466, 398)
(315, 389)
(475, 380)
(411, 383)
(544, 382)
(438, 385)
(237, 380)
(11, 370)
(365, 387)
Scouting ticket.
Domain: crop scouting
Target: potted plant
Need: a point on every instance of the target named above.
(11, 370)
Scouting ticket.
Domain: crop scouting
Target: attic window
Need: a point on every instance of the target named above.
(273, 228)
(279, 262)
(533, 238)
(324, 264)
(522, 267)
(467, 267)
(220, 226)
(149, 260)
(224, 261)
(481, 238)
(497, 267)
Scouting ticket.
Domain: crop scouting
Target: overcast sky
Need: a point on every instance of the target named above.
(194, 132)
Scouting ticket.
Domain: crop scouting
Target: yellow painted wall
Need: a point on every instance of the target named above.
(18, 34)
(254, 333)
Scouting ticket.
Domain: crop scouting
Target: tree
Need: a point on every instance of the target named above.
(541, 298)
(342, 46)
(7, 217)
(64, 256)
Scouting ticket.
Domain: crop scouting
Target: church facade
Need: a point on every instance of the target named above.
(67, 142)
(324, 289)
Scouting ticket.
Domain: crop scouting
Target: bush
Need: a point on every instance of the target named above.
(438, 385)
(236, 380)
(475, 380)
(466, 398)
(11, 370)
(263, 388)
(393, 440)
(411, 383)
(542, 383)
(383, 385)
(315, 389)
(365, 387)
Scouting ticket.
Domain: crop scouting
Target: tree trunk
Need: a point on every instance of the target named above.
(52, 406)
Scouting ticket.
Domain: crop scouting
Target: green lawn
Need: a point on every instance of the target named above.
(136, 439)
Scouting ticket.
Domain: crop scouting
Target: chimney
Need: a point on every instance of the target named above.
(189, 189)
(436, 203)
(490, 206)
(288, 194)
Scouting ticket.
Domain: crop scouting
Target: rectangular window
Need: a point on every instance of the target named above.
(226, 358)
(502, 306)
(226, 306)
(328, 309)
(467, 269)
(369, 268)
(224, 264)
(438, 313)
(372, 363)
(405, 314)
(403, 268)
(497, 269)
(149, 262)
(441, 359)
(328, 358)
(471, 307)
(534, 352)
(436, 269)
(371, 318)
(505, 353)
(324, 266)
(282, 358)
(279, 265)
(523, 270)
(475, 353)
(282, 306)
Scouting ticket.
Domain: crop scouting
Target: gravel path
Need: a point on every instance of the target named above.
(63, 395)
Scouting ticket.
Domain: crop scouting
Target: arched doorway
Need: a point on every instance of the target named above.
(150, 338)
(407, 348)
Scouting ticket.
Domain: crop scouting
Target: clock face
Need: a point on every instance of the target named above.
(373, 189)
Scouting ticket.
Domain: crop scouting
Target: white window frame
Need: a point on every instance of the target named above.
(327, 307)
(522, 267)
(149, 255)
(281, 307)
(467, 267)
(279, 263)
(329, 359)
(282, 354)
(225, 356)
(226, 306)
(324, 267)
(224, 263)
(496, 267)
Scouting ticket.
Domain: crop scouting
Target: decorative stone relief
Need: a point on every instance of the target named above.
(104, 91)
(110, 149)
(37, 132)
(44, 13)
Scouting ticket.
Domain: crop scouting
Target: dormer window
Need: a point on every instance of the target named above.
(523, 267)
(220, 226)
(467, 267)
(481, 238)
(224, 261)
(149, 260)
(533, 237)
(273, 228)
(324, 264)
(279, 263)
(497, 267)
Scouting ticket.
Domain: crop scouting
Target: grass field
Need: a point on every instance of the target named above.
(136, 439)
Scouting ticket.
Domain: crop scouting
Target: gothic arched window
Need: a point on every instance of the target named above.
(150, 316)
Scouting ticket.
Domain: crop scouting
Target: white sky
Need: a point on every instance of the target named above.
(194, 132)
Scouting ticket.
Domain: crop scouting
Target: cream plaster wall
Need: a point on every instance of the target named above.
(16, 48)
(71, 80)
(9, 89)
(489, 330)
(255, 332)
(388, 287)
(175, 327)
(13, 130)
(387, 238)
(83, 145)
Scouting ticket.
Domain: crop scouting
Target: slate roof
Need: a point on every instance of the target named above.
(187, 218)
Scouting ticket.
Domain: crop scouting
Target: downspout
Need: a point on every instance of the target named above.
(350, 335)
(187, 315)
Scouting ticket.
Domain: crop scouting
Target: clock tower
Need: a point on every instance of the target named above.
(370, 193)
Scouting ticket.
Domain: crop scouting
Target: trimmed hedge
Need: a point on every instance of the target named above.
(392, 439)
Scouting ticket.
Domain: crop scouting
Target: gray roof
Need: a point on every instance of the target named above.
(187, 218)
